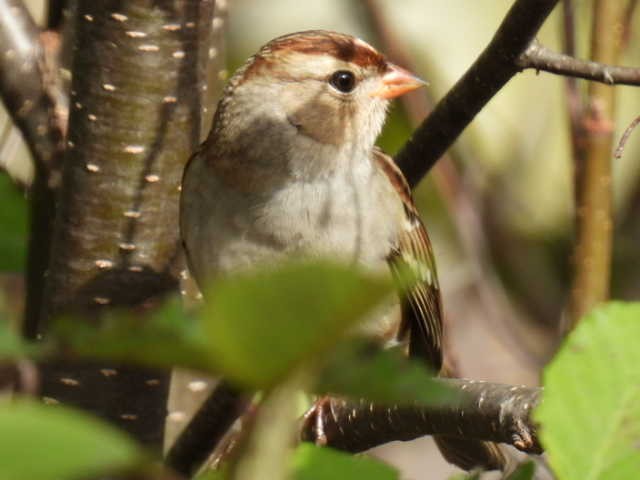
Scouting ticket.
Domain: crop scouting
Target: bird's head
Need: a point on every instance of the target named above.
(315, 89)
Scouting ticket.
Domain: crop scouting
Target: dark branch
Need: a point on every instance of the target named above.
(55, 14)
(541, 58)
(489, 73)
(27, 87)
(485, 411)
(206, 429)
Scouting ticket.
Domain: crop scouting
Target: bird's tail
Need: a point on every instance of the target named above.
(469, 453)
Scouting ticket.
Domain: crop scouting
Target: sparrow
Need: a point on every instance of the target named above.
(290, 167)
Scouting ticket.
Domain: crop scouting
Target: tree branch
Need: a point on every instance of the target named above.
(27, 85)
(489, 73)
(541, 58)
(484, 411)
(207, 428)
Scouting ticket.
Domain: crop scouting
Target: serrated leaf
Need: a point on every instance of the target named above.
(590, 414)
(319, 463)
(167, 337)
(41, 442)
(386, 377)
(260, 325)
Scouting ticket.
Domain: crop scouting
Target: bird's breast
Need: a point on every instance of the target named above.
(351, 217)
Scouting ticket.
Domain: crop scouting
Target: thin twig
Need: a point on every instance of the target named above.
(540, 58)
(625, 136)
(574, 99)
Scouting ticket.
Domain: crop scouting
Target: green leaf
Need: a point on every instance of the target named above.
(317, 463)
(213, 475)
(273, 430)
(473, 475)
(167, 337)
(524, 471)
(13, 226)
(387, 377)
(260, 325)
(590, 414)
(41, 442)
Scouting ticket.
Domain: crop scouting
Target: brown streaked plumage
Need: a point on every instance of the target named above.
(421, 305)
(290, 168)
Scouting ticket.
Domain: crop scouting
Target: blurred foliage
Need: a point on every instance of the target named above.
(266, 329)
(258, 328)
(13, 226)
(311, 462)
(213, 475)
(260, 325)
(523, 472)
(355, 371)
(41, 442)
(590, 415)
(164, 337)
(317, 463)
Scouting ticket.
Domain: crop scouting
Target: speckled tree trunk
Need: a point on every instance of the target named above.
(139, 73)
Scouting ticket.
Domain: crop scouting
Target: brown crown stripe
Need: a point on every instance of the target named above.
(321, 42)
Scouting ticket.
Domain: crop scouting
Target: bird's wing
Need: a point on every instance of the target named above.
(412, 264)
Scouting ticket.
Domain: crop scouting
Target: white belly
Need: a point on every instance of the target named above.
(345, 217)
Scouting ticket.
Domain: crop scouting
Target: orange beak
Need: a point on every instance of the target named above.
(397, 81)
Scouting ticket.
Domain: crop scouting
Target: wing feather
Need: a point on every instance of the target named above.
(412, 263)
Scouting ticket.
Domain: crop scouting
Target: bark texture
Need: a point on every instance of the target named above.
(135, 101)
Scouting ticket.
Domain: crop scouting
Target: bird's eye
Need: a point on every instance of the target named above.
(343, 81)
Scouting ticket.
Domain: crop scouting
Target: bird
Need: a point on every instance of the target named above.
(290, 167)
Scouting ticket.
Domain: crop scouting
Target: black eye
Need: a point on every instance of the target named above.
(343, 80)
